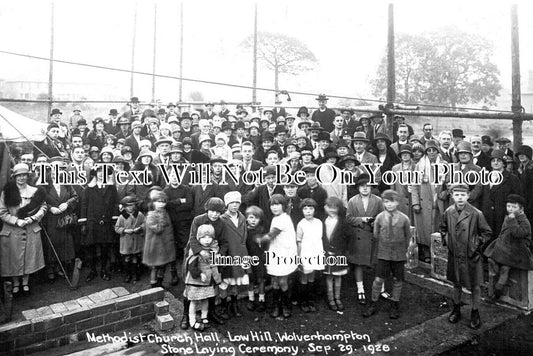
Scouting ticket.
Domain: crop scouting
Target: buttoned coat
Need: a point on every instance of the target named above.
(404, 196)
(98, 208)
(466, 234)
(159, 246)
(360, 245)
(21, 250)
(236, 237)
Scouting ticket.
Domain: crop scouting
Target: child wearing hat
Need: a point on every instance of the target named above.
(256, 248)
(464, 229)
(392, 233)
(221, 147)
(214, 208)
(361, 212)
(235, 234)
(130, 226)
(309, 244)
(512, 248)
(159, 247)
(201, 277)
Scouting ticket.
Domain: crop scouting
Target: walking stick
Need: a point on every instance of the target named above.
(57, 256)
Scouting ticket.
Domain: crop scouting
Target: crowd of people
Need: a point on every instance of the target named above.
(165, 222)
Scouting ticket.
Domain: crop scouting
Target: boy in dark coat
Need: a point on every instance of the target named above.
(467, 231)
(512, 248)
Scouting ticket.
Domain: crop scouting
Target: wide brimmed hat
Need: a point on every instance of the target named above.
(464, 147)
(384, 137)
(524, 150)
(315, 126)
(304, 122)
(164, 140)
(280, 129)
(199, 157)
(218, 159)
(348, 158)
(322, 97)
(145, 153)
(405, 148)
(499, 154)
(303, 110)
(431, 144)
(360, 136)
(177, 147)
(20, 168)
(458, 133)
(324, 136)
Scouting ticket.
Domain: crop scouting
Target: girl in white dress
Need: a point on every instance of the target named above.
(309, 239)
(281, 255)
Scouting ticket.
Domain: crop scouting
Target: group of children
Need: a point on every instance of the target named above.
(371, 232)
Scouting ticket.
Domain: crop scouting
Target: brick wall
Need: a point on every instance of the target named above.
(60, 324)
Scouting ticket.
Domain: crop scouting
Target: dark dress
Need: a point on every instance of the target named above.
(258, 249)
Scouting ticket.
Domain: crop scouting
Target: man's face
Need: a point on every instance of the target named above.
(323, 144)
(445, 141)
(53, 133)
(247, 152)
(163, 148)
(428, 130)
(281, 136)
(345, 115)
(217, 168)
(266, 144)
(381, 145)
(522, 158)
(457, 139)
(306, 159)
(27, 158)
(342, 151)
(78, 154)
(272, 159)
(322, 103)
(403, 133)
(485, 147)
(476, 144)
(338, 122)
(56, 118)
(290, 190)
(390, 205)
(359, 146)
(186, 124)
(311, 178)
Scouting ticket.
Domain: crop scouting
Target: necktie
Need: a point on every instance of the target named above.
(390, 225)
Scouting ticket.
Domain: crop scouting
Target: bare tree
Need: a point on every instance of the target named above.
(282, 54)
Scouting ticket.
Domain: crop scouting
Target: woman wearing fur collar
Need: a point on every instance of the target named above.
(21, 208)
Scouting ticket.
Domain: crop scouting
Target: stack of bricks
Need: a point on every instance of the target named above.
(59, 324)
(163, 318)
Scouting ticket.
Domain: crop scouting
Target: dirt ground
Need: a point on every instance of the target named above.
(511, 338)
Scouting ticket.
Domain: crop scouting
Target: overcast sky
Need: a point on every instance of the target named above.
(347, 37)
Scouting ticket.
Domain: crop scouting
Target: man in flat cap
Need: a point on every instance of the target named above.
(208, 113)
(464, 229)
(504, 145)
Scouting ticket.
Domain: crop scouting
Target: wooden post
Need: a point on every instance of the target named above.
(391, 74)
(51, 68)
(154, 54)
(180, 90)
(516, 105)
(133, 49)
(254, 90)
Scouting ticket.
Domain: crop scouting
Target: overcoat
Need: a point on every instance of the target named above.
(337, 244)
(405, 199)
(360, 246)
(131, 243)
(467, 232)
(159, 246)
(513, 246)
(98, 208)
(236, 237)
(493, 199)
(61, 238)
(21, 249)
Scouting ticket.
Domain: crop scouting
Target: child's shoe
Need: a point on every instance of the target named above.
(394, 312)
(370, 310)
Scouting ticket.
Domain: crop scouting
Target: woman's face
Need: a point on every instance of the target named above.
(99, 126)
(418, 154)
(432, 153)
(381, 145)
(21, 179)
(146, 160)
(107, 157)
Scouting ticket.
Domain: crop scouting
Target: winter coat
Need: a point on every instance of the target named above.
(259, 196)
(61, 238)
(159, 246)
(405, 197)
(236, 237)
(131, 243)
(21, 250)
(196, 266)
(467, 233)
(220, 235)
(99, 208)
(493, 203)
(513, 246)
(360, 245)
(179, 208)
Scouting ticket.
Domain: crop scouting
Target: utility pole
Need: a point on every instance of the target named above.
(254, 90)
(391, 74)
(516, 105)
(133, 49)
(154, 54)
(180, 92)
(51, 68)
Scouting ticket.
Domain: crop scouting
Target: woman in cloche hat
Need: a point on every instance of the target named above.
(21, 208)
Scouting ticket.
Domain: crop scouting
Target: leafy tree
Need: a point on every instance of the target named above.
(448, 67)
(280, 53)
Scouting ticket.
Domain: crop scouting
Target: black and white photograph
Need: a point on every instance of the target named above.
(267, 177)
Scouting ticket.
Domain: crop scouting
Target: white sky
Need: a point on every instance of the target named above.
(347, 37)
